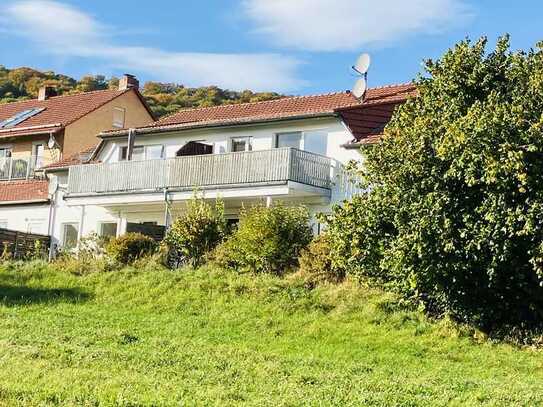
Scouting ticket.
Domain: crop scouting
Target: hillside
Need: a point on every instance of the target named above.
(148, 336)
(163, 98)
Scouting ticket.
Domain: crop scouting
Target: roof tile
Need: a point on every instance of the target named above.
(59, 110)
(30, 190)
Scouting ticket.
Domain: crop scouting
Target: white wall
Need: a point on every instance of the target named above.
(29, 218)
(263, 138)
(89, 216)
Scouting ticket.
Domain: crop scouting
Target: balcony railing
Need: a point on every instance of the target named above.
(264, 167)
(15, 168)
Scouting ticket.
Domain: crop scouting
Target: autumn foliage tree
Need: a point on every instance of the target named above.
(454, 216)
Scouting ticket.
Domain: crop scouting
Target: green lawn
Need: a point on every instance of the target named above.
(207, 337)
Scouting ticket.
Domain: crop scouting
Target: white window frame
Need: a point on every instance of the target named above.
(63, 229)
(7, 147)
(248, 144)
(36, 163)
(303, 134)
(4, 223)
(116, 124)
(107, 222)
(145, 147)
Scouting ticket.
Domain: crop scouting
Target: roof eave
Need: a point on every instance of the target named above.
(197, 125)
(25, 202)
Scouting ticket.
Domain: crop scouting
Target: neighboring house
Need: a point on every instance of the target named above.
(39, 132)
(291, 149)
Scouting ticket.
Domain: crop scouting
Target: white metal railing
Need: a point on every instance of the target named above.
(16, 168)
(210, 170)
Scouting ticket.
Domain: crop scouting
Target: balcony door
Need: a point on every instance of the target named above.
(194, 148)
(315, 141)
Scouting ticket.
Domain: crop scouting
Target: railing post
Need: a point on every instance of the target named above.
(10, 168)
(28, 165)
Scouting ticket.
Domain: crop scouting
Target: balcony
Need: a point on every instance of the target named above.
(214, 171)
(15, 168)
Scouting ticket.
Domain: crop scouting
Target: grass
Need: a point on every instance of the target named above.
(147, 336)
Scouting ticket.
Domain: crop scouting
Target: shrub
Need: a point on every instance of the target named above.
(316, 262)
(267, 240)
(454, 217)
(130, 247)
(194, 234)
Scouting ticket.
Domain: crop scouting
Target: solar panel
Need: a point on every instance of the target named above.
(20, 117)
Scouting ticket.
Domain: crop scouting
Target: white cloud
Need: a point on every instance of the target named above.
(333, 25)
(60, 29)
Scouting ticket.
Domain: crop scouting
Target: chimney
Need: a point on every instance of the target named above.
(45, 92)
(128, 82)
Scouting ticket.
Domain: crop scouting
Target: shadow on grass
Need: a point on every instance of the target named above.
(21, 295)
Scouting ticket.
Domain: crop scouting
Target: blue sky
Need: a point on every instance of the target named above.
(290, 46)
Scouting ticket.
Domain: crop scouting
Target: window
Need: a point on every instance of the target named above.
(37, 155)
(154, 152)
(70, 235)
(118, 117)
(141, 153)
(107, 229)
(3, 223)
(293, 139)
(242, 144)
(5, 152)
(20, 117)
(313, 141)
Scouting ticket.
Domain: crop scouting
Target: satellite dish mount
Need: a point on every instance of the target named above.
(361, 68)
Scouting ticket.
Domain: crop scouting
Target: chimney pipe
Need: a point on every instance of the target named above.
(128, 82)
(45, 92)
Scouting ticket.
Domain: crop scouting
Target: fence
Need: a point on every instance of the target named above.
(20, 245)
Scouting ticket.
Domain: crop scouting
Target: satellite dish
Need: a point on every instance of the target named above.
(52, 142)
(359, 88)
(362, 64)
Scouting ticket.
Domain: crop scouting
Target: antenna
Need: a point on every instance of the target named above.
(361, 68)
(52, 142)
(362, 64)
(359, 88)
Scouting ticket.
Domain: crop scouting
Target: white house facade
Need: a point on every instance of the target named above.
(291, 150)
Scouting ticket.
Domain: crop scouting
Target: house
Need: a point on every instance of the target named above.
(50, 129)
(291, 149)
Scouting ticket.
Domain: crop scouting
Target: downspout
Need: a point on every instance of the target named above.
(166, 210)
(51, 220)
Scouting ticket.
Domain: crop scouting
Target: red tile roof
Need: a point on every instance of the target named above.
(59, 111)
(367, 122)
(17, 191)
(279, 108)
(75, 159)
(285, 108)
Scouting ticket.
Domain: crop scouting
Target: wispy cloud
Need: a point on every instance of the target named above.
(62, 30)
(332, 25)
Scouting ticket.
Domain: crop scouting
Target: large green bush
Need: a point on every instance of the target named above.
(267, 240)
(316, 262)
(127, 248)
(194, 234)
(454, 219)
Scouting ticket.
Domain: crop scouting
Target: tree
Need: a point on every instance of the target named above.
(454, 218)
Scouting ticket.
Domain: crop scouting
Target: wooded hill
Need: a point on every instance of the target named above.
(163, 98)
